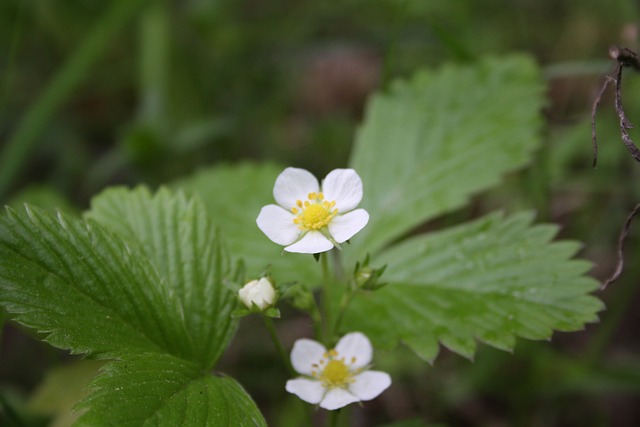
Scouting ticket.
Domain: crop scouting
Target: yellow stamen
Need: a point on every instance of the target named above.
(315, 214)
(336, 374)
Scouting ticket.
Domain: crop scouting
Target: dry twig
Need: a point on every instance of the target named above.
(624, 57)
(623, 235)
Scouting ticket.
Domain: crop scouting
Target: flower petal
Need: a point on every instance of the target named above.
(310, 391)
(345, 187)
(344, 227)
(356, 350)
(369, 384)
(313, 242)
(305, 354)
(278, 225)
(337, 398)
(294, 184)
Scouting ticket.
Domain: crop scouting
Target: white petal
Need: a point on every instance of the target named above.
(311, 243)
(294, 184)
(337, 398)
(278, 225)
(310, 391)
(344, 227)
(356, 350)
(370, 384)
(306, 353)
(345, 187)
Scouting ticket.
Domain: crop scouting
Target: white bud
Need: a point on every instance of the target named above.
(258, 292)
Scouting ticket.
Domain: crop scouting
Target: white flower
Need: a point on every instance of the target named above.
(258, 292)
(337, 377)
(309, 219)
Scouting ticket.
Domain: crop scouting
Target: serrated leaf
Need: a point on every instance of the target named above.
(84, 287)
(431, 142)
(177, 236)
(162, 390)
(492, 280)
(233, 196)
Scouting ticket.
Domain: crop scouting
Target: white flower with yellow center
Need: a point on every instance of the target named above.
(335, 378)
(311, 219)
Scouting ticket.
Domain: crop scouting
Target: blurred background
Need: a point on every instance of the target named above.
(94, 94)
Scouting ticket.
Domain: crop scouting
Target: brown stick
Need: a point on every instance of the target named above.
(624, 57)
(621, 239)
(625, 123)
(594, 109)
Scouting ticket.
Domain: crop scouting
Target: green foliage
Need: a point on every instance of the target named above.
(233, 196)
(140, 280)
(162, 390)
(433, 141)
(176, 234)
(424, 149)
(492, 279)
(83, 287)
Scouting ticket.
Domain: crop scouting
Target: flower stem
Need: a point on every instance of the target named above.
(344, 303)
(277, 344)
(326, 299)
(332, 421)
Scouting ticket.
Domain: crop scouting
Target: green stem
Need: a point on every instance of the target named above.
(344, 304)
(316, 317)
(332, 421)
(73, 72)
(326, 299)
(278, 345)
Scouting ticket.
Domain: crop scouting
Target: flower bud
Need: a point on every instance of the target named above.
(258, 293)
(366, 277)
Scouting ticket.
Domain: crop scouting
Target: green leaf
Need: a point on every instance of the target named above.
(84, 288)
(431, 142)
(234, 195)
(490, 280)
(177, 236)
(162, 390)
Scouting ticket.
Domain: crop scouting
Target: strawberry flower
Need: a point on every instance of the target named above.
(310, 218)
(337, 377)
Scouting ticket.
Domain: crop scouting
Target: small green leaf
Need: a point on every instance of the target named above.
(83, 287)
(234, 195)
(431, 142)
(491, 280)
(177, 236)
(162, 390)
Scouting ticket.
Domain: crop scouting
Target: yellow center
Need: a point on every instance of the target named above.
(335, 374)
(332, 370)
(314, 213)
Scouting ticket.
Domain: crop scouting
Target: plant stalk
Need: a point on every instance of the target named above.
(278, 345)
